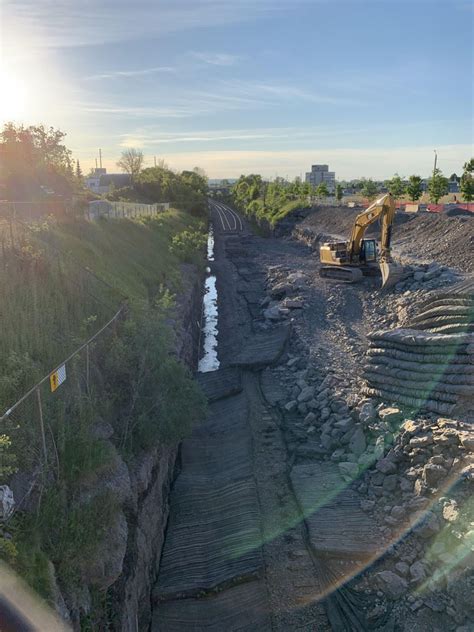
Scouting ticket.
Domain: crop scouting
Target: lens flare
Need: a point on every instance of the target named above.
(14, 97)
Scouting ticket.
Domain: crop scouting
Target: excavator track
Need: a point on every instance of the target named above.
(341, 273)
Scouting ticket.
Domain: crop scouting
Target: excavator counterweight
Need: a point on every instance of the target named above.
(350, 261)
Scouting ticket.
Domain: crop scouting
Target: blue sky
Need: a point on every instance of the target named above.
(369, 86)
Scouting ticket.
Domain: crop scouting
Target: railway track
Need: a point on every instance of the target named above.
(226, 218)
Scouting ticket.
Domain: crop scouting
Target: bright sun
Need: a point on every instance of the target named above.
(13, 100)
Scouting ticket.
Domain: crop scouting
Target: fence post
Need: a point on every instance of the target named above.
(11, 225)
(43, 437)
(87, 369)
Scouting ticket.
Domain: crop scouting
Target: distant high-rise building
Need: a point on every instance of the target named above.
(321, 173)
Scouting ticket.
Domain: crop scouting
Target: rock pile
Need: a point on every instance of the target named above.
(285, 293)
(427, 515)
(427, 277)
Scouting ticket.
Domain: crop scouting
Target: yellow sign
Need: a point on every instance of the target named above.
(57, 378)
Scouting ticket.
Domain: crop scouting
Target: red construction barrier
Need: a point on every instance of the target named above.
(466, 207)
(436, 208)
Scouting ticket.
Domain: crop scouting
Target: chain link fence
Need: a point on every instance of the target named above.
(45, 291)
(36, 425)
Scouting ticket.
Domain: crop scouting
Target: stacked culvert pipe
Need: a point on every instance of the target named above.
(429, 365)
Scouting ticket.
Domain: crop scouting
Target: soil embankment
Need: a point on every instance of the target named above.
(446, 238)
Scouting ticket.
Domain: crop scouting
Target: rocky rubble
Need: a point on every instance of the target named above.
(286, 293)
(411, 467)
(427, 277)
(414, 475)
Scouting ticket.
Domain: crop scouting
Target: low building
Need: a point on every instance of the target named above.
(320, 174)
(101, 182)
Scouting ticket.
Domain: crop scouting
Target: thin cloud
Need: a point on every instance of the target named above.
(64, 24)
(152, 137)
(137, 111)
(130, 73)
(285, 92)
(217, 59)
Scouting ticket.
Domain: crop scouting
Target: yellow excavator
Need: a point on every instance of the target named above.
(350, 260)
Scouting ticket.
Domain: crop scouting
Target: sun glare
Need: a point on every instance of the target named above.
(14, 96)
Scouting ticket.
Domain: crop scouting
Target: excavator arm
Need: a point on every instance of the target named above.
(344, 261)
(383, 209)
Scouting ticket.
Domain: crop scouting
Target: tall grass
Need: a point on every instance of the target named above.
(61, 282)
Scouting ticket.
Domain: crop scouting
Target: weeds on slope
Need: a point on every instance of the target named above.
(60, 283)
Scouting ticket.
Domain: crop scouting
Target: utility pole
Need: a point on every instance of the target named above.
(100, 158)
(435, 161)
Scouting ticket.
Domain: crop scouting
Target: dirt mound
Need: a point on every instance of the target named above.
(447, 238)
(456, 211)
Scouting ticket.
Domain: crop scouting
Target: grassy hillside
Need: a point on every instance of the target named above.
(60, 283)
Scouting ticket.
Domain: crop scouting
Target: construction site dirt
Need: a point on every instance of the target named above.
(329, 487)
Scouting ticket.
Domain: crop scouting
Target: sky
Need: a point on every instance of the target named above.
(370, 87)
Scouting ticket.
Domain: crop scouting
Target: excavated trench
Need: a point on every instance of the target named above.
(254, 540)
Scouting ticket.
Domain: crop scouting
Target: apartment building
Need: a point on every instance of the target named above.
(321, 173)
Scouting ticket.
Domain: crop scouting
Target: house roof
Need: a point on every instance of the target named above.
(117, 179)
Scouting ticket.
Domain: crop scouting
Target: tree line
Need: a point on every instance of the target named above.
(263, 199)
(36, 166)
(438, 185)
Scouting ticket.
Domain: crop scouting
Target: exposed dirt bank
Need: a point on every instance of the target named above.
(424, 237)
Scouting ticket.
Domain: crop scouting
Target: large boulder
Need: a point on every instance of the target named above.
(306, 394)
(433, 474)
(367, 413)
(392, 584)
(349, 470)
(358, 444)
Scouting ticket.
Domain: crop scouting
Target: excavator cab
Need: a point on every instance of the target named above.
(368, 253)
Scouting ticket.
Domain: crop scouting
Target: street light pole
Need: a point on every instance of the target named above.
(435, 161)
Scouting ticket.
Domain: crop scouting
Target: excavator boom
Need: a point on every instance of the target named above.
(343, 261)
(383, 209)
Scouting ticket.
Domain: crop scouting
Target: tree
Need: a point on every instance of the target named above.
(414, 188)
(396, 186)
(131, 162)
(196, 180)
(339, 192)
(200, 172)
(437, 186)
(322, 190)
(32, 158)
(369, 189)
(78, 171)
(467, 181)
(247, 189)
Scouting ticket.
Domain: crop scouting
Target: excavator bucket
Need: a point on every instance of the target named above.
(392, 273)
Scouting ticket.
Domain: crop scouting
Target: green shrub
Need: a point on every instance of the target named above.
(152, 395)
(189, 245)
(8, 459)
(8, 551)
(64, 531)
